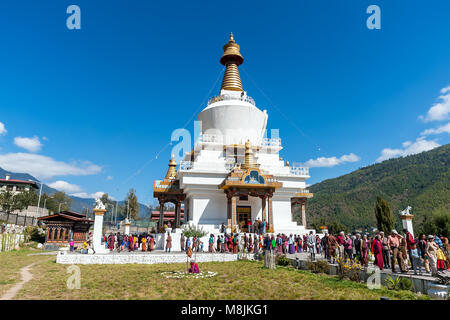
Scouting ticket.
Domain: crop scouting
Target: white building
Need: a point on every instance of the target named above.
(234, 173)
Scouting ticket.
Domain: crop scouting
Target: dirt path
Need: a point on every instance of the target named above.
(26, 276)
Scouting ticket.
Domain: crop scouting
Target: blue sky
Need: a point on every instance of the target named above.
(85, 110)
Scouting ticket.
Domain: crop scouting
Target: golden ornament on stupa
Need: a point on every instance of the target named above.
(231, 59)
(249, 160)
(172, 172)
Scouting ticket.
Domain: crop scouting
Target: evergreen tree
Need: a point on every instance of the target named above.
(131, 204)
(383, 214)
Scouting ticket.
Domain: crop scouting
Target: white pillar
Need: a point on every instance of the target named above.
(98, 231)
(127, 226)
(407, 222)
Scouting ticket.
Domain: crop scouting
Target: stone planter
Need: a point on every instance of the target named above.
(438, 291)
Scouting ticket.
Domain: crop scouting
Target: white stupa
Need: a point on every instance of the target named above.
(234, 173)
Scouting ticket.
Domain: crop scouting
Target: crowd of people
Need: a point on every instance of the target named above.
(428, 254)
(122, 242)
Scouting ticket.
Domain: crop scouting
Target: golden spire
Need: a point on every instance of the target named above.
(172, 172)
(231, 59)
(249, 161)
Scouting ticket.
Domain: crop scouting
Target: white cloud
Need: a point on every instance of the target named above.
(91, 195)
(409, 148)
(64, 186)
(332, 161)
(3, 130)
(440, 110)
(43, 167)
(439, 130)
(30, 144)
(109, 178)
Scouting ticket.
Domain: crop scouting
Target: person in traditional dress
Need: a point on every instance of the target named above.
(218, 244)
(151, 244)
(182, 241)
(332, 245)
(245, 242)
(188, 243)
(324, 244)
(194, 267)
(111, 242)
(250, 244)
(431, 252)
(378, 252)
(211, 243)
(273, 243)
(144, 244)
(168, 242)
(364, 251)
(256, 244)
(225, 243)
(235, 244)
(148, 242)
(291, 244)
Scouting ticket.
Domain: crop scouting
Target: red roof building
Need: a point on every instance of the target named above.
(66, 225)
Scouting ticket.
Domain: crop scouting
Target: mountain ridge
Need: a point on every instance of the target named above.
(421, 181)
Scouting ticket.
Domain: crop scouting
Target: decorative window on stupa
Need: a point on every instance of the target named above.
(254, 178)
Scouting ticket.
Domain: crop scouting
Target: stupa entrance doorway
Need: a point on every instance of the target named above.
(244, 214)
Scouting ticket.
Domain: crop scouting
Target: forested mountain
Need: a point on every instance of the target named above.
(421, 181)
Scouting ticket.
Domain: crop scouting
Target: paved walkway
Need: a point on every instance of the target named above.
(26, 276)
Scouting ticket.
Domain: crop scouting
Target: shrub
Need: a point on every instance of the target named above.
(318, 266)
(405, 284)
(281, 260)
(35, 234)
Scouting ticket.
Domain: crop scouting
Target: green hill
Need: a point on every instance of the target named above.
(421, 181)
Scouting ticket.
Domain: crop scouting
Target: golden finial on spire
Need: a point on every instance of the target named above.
(249, 159)
(231, 58)
(172, 172)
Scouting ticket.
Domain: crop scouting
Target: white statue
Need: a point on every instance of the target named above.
(99, 204)
(406, 211)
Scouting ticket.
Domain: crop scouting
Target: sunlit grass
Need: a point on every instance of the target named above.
(10, 264)
(235, 280)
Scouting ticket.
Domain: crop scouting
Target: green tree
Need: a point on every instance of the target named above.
(57, 202)
(132, 204)
(438, 223)
(383, 214)
(109, 206)
(26, 198)
(10, 202)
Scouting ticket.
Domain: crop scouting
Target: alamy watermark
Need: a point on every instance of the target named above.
(74, 281)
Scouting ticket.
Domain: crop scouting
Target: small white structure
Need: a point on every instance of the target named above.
(407, 220)
(127, 226)
(99, 211)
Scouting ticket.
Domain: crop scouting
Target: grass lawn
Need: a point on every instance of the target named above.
(235, 280)
(11, 262)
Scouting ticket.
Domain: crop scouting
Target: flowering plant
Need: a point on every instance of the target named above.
(184, 274)
(349, 269)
